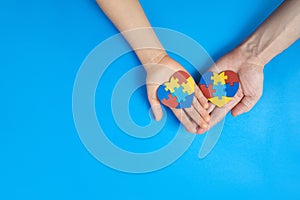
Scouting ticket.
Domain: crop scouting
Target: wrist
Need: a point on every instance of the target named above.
(249, 53)
(150, 57)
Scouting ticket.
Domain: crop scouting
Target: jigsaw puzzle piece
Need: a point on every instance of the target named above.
(181, 76)
(171, 85)
(187, 103)
(219, 90)
(162, 93)
(220, 102)
(232, 77)
(206, 79)
(231, 89)
(175, 91)
(180, 94)
(207, 91)
(219, 78)
(170, 101)
(189, 86)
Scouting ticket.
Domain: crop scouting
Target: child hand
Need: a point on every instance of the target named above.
(194, 118)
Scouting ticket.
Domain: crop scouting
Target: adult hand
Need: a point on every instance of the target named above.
(250, 72)
(194, 118)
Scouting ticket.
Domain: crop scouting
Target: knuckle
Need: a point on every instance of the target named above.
(247, 106)
(202, 124)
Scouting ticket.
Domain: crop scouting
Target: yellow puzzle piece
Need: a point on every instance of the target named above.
(220, 102)
(173, 83)
(189, 87)
(219, 78)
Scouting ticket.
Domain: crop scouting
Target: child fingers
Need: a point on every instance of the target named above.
(203, 112)
(195, 116)
(201, 98)
(189, 125)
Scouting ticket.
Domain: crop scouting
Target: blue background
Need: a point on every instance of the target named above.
(43, 43)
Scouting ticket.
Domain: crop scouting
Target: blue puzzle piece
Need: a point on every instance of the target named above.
(206, 79)
(162, 93)
(220, 90)
(178, 92)
(187, 103)
(231, 89)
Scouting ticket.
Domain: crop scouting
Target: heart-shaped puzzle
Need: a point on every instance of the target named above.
(178, 92)
(219, 88)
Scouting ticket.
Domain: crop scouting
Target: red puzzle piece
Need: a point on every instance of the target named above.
(181, 76)
(232, 77)
(171, 101)
(207, 92)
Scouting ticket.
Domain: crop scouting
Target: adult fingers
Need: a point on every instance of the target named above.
(211, 107)
(218, 113)
(245, 105)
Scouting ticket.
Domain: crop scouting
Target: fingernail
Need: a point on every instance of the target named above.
(238, 113)
(191, 131)
(200, 131)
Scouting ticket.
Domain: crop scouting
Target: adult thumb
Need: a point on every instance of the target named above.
(245, 105)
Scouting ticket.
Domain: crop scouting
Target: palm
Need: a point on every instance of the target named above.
(251, 79)
(191, 118)
(250, 90)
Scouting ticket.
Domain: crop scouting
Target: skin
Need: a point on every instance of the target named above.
(274, 35)
(130, 19)
(277, 33)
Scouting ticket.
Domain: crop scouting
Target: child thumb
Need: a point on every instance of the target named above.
(156, 108)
